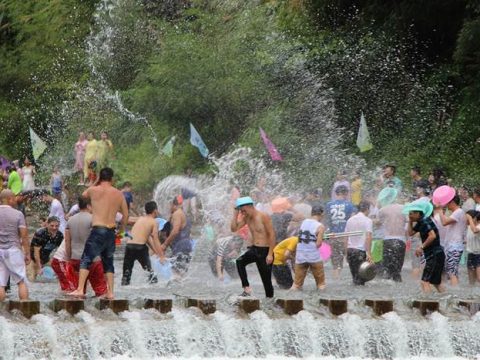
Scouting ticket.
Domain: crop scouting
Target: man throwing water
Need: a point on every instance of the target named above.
(261, 252)
(106, 202)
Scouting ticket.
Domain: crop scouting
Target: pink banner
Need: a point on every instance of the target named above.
(272, 150)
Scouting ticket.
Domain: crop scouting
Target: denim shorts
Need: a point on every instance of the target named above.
(101, 242)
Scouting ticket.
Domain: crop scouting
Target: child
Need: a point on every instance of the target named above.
(473, 246)
(307, 255)
(91, 175)
(420, 213)
(56, 183)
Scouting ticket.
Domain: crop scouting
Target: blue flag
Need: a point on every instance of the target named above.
(197, 141)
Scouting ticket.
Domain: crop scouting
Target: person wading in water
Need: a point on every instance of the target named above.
(261, 252)
(106, 202)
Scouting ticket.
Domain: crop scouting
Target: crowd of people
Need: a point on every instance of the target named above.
(285, 236)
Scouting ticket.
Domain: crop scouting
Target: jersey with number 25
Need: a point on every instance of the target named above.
(338, 212)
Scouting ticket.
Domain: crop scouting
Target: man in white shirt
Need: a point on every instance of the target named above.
(359, 246)
(456, 225)
(56, 209)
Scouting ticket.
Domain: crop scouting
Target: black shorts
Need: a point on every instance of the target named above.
(432, 273)
(473, 261)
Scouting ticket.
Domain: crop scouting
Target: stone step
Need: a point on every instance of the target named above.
(380, 307)
(335, 306)
(425, 306)
(72, 306)
(207, 306)
(249, 305)
(290, 306)
(28, 308)
(162, 305)
(473, 306)
(116, 305)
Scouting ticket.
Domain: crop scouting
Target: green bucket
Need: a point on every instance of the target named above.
(377, 250)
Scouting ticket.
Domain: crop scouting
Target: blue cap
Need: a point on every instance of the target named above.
(246, 200)
(387, 196)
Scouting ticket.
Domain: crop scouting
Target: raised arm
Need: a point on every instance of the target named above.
(236, 225)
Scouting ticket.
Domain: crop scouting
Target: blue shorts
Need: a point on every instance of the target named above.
(101, 242)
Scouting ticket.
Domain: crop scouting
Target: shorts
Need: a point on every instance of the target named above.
(180, 262)
(12, 265)
(453, 261)
(338, 253)
(101, 242)
(473, 261)
(432, 273)
(317, 271)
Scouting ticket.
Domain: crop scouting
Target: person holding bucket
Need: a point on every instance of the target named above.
(420, 221)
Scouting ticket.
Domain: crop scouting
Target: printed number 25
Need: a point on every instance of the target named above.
(337, 213)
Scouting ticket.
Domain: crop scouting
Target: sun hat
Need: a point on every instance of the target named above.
(443, 195)
(280, 204)
(246, 200)
(425, 207)
(387, 196)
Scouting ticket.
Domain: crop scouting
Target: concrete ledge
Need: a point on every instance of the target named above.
(72, 306)
(380, 307)
(249, 305)
(426, 306)
(116, 305)
(27, 307)
(290, 306)
(162, 305)
(205, 305)
(472, 305)
(335, 306)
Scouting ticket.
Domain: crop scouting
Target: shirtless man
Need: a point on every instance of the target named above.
(145, 231)
(106, 201)
(261, 252)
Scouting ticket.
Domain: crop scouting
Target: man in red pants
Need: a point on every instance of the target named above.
(76, 234)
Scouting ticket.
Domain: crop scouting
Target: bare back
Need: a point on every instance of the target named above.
(261, 229)
(142, 230)
(106, 202)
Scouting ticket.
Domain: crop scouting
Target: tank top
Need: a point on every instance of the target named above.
(307, 251)
(182, 243)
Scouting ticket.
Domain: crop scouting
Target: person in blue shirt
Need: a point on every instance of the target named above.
(338, 212)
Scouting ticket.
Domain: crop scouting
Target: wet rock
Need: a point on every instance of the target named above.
(162, 305)
(249, 305)
(425, 306)
(205, 305)
(116, 305)
(291, 306)
(472, 305)
(335, 306)
(27, 307)
(72, 306)
(380, 307)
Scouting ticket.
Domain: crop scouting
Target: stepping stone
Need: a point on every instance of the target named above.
(335, 306)
(205, 305)
(249, 305)
(162, 305)
(116, 305)
(72, 306)
(27, 307)
(472, 305)
(425, 306)
(290, 306)
(380, 307)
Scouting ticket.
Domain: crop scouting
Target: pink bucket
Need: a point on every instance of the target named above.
(325, 251)
(443, 195)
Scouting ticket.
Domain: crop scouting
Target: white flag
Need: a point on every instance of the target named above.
(38, 145)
